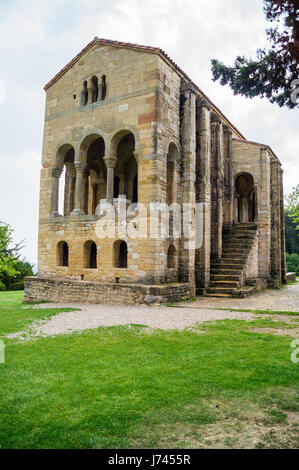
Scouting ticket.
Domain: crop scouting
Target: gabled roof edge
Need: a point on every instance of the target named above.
(154, 50)
(259, 145)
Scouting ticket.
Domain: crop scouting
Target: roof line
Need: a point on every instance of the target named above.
(155, 50)
(258, 144)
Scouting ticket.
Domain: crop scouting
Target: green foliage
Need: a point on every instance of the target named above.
(8, 260)
(271, 74)
(13, 270)
(122, 387)
(292, 207)
(292, 235)
(24, 269)
(293, 263)
(14, 316)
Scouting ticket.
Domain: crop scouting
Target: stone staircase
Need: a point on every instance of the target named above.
(228, 275)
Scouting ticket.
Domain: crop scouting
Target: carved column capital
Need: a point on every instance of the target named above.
(110, 161)
(227, 130)
(215, 124)
(56, 172)
(80, 166)
(204, 104)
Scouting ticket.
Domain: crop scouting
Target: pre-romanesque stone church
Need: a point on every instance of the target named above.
(124, 123)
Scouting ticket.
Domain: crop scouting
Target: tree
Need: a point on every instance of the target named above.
(12, 269)
(292, 235)
(274, 73)
(292, 207)
(293, 263)
(7, 259)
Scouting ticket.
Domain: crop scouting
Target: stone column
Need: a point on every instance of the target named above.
(188, 149)
(90, 92)
(256, 210)
(203, 193)
(284, 269)
(55, 173)
(80, 167)
(228, 197)
(216, 189)
(110, 163)
(264, 225)
(275, 224)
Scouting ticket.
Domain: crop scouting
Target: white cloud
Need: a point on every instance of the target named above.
(37, 38)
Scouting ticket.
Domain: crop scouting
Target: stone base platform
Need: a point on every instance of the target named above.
(68, 290)
(290, 277)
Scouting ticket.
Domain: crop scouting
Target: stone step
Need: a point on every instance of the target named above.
(234, 255)
(225, 283)
(244, 291)
(226, 272)
(245, 225)
(227, 266)
(239, 236)
(238, 243)
(220, 290)
(244, 229)
(218, 295)
(233, 247)
(232, 260)
(228, 277)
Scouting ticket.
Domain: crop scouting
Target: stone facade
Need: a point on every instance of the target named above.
(125, 125)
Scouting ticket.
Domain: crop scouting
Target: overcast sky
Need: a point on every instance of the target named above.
(38, 37)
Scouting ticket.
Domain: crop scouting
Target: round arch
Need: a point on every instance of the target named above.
(171, 173)
(90, 254)
(245, 194)
(61, 152)
(171, 257)
(123, 149)
(62, 254)
(118, 135)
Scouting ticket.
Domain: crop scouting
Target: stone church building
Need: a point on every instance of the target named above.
(124, 122)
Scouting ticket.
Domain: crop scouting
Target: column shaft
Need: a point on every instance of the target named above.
(56, 173)
(110, 162)
(188, 139)
(203, 194)
(80, 167)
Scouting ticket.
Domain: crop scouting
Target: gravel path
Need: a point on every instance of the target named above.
(93, 316)
(179, 317)
(286, 299)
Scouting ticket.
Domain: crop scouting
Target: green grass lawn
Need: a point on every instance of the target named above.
(216, 386)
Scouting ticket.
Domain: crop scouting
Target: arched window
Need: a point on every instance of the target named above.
(171, 257)
(94, 175)
(94, 88)
(104, 87)
(171, 183)
(246, 198)
(123, 147)
(90, 255)
(120, 254)
(64, 180)
(84, 94)
(62, 254)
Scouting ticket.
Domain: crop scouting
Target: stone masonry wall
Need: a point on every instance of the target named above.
(66, 290)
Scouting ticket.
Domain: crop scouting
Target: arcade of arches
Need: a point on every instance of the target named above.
(96, 176)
